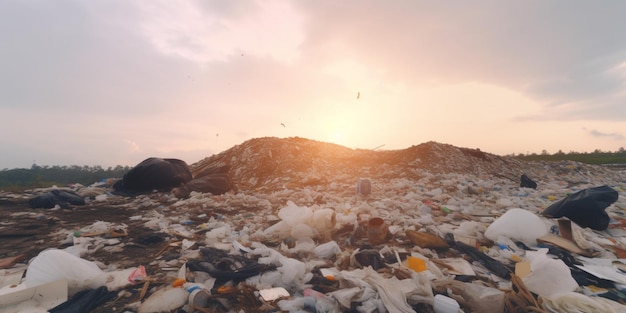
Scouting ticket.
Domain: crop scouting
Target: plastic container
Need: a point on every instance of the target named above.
(363, 187)
(443, 304)
(199, 297)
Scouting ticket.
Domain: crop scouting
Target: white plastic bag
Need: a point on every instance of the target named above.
(548, 276)
(518, 224)
(51, 265)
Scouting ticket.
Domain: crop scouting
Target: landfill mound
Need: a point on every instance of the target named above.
(271, 163)
(438, 228)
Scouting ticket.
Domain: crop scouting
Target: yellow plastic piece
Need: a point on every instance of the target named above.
(416, 264)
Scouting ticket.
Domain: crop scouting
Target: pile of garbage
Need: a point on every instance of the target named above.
(315, 227)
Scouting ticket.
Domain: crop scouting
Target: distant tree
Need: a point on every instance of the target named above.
(560, 152)
(621, 150)
(544, 152)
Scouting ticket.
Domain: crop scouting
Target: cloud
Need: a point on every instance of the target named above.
(540, 48)
(213, 31)
(596, 133)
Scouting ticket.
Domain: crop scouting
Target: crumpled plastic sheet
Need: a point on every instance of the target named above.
(392, 291)
(548, 276)
(573, 302)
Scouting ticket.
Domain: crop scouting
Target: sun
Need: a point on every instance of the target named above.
(338, 136)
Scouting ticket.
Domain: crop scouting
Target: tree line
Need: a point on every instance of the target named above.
(47, 176)
(596, 157)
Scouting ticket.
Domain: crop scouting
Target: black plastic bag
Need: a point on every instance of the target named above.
(585, 207)
(85, 301)
(488, 262)
(526, 182)
(153, 174)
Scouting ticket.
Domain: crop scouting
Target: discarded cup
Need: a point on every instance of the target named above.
(377, 231)
(199, 297)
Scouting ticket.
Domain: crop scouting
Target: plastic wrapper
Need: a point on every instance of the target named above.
(327, 250)
(572, 302)
(294, 215)
(477, 297)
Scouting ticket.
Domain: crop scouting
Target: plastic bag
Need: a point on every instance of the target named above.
(586, 207)
(548, 276)
(51, 265)
(518, 224)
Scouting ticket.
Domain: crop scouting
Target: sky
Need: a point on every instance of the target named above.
(113, 82)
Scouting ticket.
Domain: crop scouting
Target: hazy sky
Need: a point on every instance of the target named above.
(114, 82)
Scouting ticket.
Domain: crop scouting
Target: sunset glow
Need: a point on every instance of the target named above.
(124, 81)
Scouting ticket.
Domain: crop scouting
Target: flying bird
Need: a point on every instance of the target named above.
(282, 124)
(358, 95)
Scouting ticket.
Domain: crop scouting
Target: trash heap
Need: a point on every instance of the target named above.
(315, 227)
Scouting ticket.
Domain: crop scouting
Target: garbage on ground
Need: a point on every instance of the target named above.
(467, 241)
(54, 275)
(57, 197)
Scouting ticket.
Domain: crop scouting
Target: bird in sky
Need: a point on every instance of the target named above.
(282, 124)
(358, 95)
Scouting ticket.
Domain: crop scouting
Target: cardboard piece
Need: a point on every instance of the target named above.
(272, 294)
(565, 229)
(566, 244)
(456, 266)
(522, 269)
